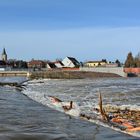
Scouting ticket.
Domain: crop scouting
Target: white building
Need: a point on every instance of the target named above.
(59, 64)
(50, 65)
(70, 62)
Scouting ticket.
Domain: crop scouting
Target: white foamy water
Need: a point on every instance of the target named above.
(84, 93)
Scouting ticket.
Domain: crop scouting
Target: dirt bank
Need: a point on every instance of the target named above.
(70, 75)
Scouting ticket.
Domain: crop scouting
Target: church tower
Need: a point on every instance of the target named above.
(4, 55)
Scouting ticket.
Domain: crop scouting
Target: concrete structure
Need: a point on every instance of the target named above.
(2, 69)
(14, 73)
(116, 70)
(111, 65)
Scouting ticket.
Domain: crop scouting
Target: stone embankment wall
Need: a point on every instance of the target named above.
(115, 70)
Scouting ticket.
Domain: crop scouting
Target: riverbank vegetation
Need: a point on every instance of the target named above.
(70, 75)
(132, 62)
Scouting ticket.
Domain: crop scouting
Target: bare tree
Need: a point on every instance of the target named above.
(137, 60)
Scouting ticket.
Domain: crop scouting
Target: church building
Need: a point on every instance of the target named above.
(4, 55)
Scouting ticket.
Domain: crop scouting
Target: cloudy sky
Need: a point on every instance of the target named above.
(85, 29)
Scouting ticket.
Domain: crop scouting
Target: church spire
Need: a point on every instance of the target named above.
(4, 52)
(4, 55)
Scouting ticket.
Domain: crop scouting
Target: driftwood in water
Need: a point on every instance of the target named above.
(55, 99)
(68, 107)
(101, 109)
(127, 120)
(124, 119)
(130, 115)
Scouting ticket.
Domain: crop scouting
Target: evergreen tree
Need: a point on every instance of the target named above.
(130, 62)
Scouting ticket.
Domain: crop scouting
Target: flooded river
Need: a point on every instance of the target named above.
(26, 115)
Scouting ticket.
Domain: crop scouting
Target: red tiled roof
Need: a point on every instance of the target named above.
(35, 62)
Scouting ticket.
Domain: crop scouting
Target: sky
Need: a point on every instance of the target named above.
(84, 29)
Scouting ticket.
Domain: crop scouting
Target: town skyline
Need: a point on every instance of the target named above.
(4, 52)
(87, 30)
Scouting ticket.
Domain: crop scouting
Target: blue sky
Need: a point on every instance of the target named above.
(85, 29)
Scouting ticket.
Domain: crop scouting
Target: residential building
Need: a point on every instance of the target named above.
(36, 64)
(50, 65)
(70, 62)
(54, 65)
(95, 63)
(58, 64)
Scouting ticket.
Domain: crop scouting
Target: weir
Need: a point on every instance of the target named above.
(14, 73)
(66, 74)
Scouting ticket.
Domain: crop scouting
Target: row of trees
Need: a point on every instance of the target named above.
(132, 61)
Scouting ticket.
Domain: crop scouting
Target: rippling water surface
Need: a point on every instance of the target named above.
(24, 118)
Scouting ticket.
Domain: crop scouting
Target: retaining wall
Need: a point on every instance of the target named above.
(116, 70)
(132, 70)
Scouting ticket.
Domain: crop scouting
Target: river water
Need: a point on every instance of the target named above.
(26, 115)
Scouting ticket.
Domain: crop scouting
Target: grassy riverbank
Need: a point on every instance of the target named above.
(70, 75)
